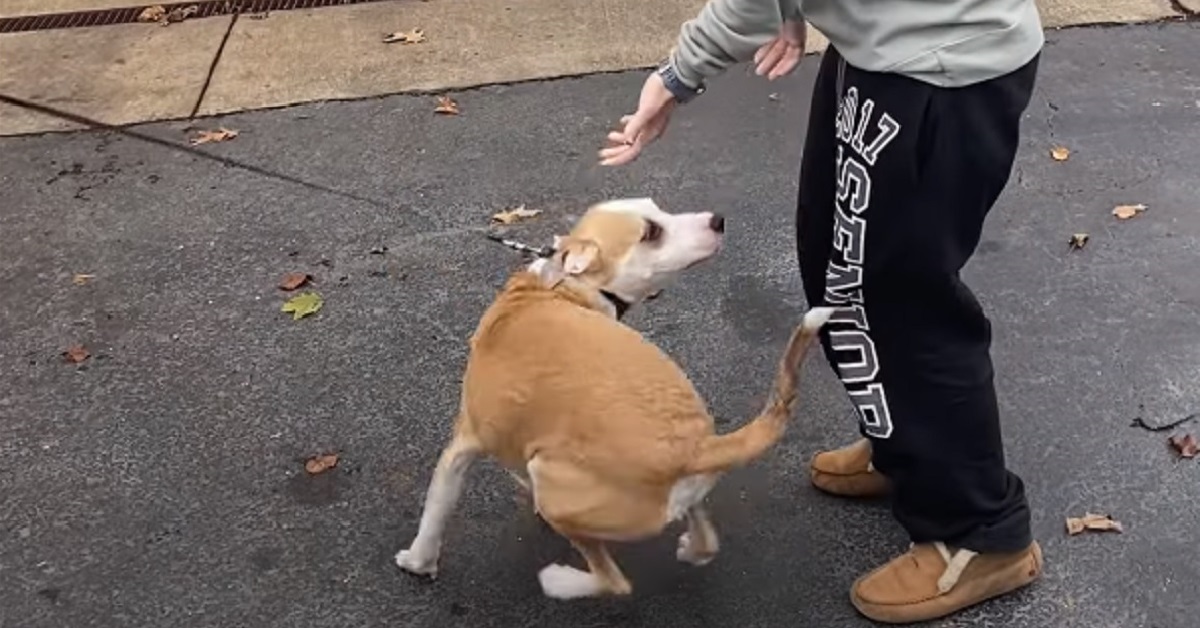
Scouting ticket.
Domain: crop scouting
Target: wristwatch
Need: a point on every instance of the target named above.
(676, 86)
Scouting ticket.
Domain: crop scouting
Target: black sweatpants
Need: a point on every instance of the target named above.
(896, 180)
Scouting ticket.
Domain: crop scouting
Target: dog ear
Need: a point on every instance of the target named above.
(577, 256)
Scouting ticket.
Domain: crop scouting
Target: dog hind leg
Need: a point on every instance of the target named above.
(441, 497)
(699, 545)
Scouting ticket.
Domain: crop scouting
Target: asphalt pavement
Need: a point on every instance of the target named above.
(162, 482)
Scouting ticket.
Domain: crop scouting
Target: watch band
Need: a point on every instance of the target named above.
(676, 86)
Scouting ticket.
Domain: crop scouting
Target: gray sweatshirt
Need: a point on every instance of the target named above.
(948, 43)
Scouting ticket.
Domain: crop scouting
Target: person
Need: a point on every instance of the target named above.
(912, 132)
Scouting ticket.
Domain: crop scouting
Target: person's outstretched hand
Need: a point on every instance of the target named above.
(778, 57)
(774, 59)
(642, 127)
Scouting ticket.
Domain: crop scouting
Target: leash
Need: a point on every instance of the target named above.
(620, 305)
(544, 251)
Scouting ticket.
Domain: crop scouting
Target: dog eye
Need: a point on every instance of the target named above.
(653, 231)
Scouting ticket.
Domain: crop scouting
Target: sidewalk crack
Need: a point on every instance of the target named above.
(212, 68)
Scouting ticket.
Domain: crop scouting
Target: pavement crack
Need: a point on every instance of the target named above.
(212, 68)
(1053, 111)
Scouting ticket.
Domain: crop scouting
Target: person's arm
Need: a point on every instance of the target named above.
(726, 32)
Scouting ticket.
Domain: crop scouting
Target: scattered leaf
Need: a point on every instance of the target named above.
(79, 279)
(76, 354)
(303, 304)
(1060, 153)
(156, 13)
(1094, 522)
(321, 463)
(291, 281)
(220, 135)
(1079, 240)
(509, 216)
(180, 14)
(1186, 446)
(1125, 212)
(415, 36)
(446, 106)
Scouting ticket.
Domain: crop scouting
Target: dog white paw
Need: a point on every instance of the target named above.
(688, 552)
(567, 583)
(415, 563)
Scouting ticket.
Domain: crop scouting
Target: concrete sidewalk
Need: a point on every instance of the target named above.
(130, 73)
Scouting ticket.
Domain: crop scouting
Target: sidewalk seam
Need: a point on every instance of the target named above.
(212, 68)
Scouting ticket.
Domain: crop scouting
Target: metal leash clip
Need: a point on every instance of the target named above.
(544, 251)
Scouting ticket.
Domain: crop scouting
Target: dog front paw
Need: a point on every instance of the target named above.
(693, 553)
(415, 563)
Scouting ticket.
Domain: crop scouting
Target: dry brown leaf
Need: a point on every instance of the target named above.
(220, 135)
(79, 279)
(179, 14)
(446, 106)
(321, 463)
(1094, 522)
(509, 216)
(76, 354)
(156, 13)
(1079, 240)
(415, 36)
(1125, 212)
(1060, 153)
(291, 281)
(1186, 446)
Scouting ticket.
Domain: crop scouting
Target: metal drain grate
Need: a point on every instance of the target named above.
(129, 15)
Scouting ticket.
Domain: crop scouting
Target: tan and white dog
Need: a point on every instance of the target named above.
(605, 430)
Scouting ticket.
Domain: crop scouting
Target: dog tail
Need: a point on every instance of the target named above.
(724, 451)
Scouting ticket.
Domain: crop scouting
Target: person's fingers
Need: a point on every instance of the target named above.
(630, 126)
(633, 128)
(626, 145)
(612, 153)
(616, 136)
(771, 57)
(639, 132)
(762, 51)
(618, 151)
(619, 156)
(786, 64)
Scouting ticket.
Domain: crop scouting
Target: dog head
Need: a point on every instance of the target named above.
(631, 249)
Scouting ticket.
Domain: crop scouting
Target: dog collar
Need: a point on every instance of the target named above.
(619, 304)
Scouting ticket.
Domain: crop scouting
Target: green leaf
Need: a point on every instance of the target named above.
(303, 304)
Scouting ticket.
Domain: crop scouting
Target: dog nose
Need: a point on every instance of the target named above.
(717, 222)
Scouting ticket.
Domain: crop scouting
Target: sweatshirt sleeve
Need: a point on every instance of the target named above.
(726, 32)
